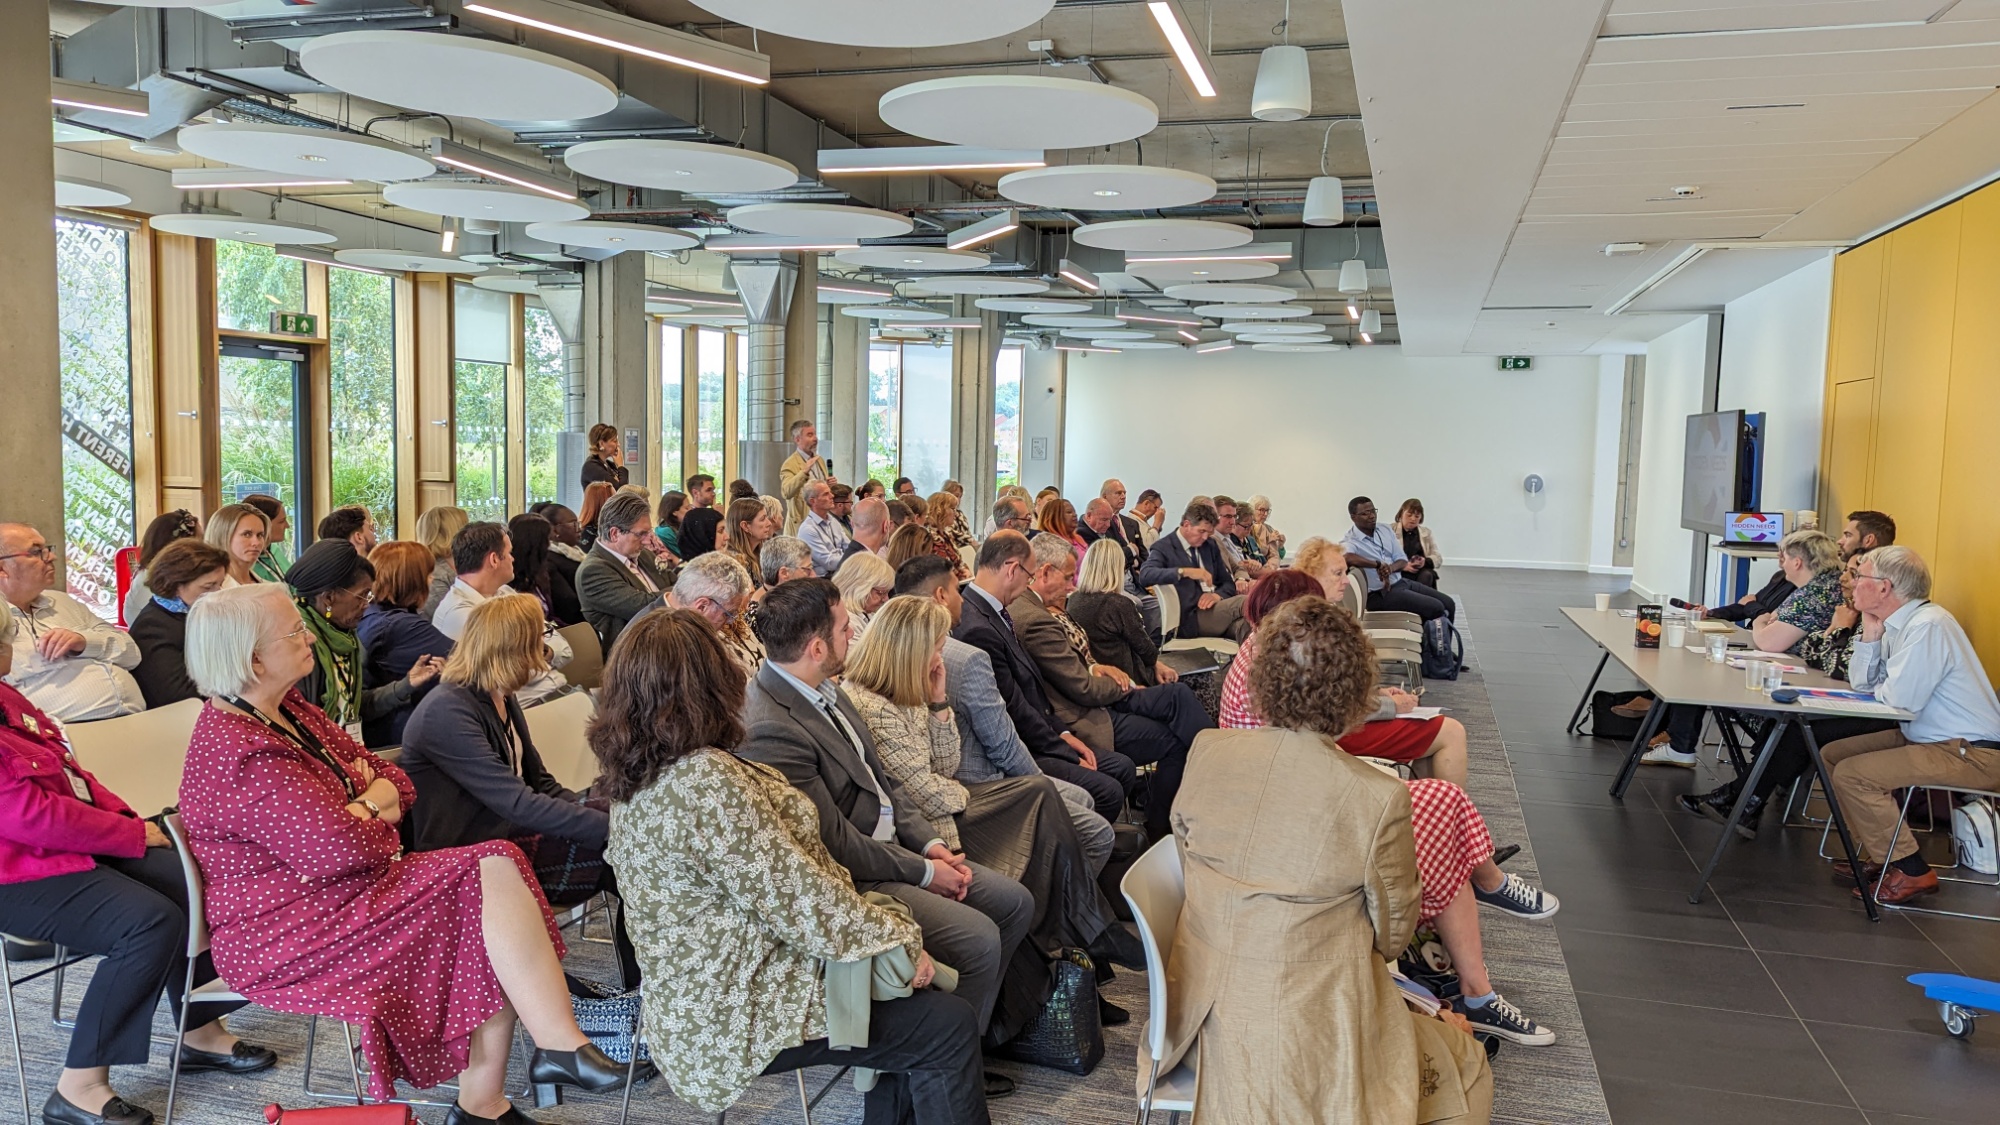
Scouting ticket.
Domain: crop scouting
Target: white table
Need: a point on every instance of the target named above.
(1686, 677)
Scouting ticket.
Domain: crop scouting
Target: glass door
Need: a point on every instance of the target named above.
(264, 445)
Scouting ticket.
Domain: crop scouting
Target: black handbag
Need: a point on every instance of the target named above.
(1067, 1035)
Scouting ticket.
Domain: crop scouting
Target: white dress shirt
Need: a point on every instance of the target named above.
(92, 684)
(827, 540)
(455, 609)
(1925, 663)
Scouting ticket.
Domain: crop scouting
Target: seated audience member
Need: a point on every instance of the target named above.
(843, 505)
(774, 508)
(595, 496)
(1010, 512)
(165, 528)
(700, 522)
(1048, 492)
(866, 581)
(535, 571)
(70, 662)
(619, 580)
(1150, 513)
(870, 488)
(717, 587)
(1192, 565)
(313, 908)
(604, 465)
(1455, 858)
(1123, 527)
(825, 535)
(1749, 607)
(1239, 552)
(738, 907)
(961, 531)
(1291, 913)
(1057, 517)
(565, 533)
(1269, 538)
(745, 531)
(947, 522)
(239, 531)
(469, 754)
(785, 557)
(1913, 655)
(484, 558)
(1145, 725)
(395, 638)
(801, 722)
(668, 530)
(334, 586)
(1417, 543)
(187, 570)
(904, 487)
(1377, 552)
(1864, 531)
(79, 868)
(1007, 491)
(1111, 620)
(352, 523)
(740, 489)
(436, 529)
(270, 566)
(1000, 575)
(1101, 521)
(869, 526)
(896, 679)
(908, 542)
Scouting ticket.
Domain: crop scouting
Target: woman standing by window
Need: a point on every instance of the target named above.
(603, 464)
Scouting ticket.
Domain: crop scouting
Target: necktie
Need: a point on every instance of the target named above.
(885, 823)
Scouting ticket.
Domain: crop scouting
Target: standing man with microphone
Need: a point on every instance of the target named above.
(805, 464)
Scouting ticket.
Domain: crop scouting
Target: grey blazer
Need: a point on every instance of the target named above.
(612, 595)
(796, 738)
(991, 747)
(1078, 696)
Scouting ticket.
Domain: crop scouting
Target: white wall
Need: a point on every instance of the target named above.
(1042, 377)
(1660, 548)
(1310, 431)
(1774, 361)
(1604, 465)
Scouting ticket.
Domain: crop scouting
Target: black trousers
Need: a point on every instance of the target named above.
(927, 1046)
(1108, 785)
(1791, 761)
(1412, 597)
(133, 912)
(1428, 575)
(1156, 726)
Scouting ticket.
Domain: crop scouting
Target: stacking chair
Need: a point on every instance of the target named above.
(1902, 822)
(1170, 623)
(807, 1100)
(139, 756)
(586, 667)
(63, 959)
(197, 944)
(968, 555)
(1155, 889)
(1398, 637)
(557, 729)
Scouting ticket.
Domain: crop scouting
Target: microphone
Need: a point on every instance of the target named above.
(1679, 604)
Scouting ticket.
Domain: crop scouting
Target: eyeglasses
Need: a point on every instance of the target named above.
(1869, 578)
(40, 551)
(363, 596)
(300, 631)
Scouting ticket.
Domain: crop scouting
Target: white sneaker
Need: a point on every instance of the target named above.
(1666, 755)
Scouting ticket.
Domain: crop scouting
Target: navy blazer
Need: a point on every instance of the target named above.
(391, 640)
(1015, 674)
(457, 755)
(1084, 533)
(1168, 556)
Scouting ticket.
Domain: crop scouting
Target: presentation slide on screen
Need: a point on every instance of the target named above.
(1708, 488)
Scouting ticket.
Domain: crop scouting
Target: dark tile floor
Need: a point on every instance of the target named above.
(1774, 1000)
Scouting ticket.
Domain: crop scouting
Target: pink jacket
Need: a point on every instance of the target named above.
(45, 829)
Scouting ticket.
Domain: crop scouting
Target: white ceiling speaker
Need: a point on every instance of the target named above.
(1325, 206)
(1371, 321)
(1284, 90)
(1354, 276)
(458, 75)
(680, 166)
(883, 23)
(1018, 112)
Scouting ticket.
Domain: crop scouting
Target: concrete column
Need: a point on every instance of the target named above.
(31, 483)
(614, 373)
(846, 436)
(767, 288)
(802, 347)
(975, 351)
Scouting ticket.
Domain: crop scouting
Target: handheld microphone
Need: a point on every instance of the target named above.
(1679, 604)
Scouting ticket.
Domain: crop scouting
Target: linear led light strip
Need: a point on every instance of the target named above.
(1278, 255)
(495, 168)
(1184, 321)
(985, 230)
(103, 99)
(626, 32)
(1188, 336)
(1077, 275)
(856, 290)
(1218, 346)
(1081, 348)
(926, 158)
(1169, 18)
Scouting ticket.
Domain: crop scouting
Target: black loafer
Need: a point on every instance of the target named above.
(1111, 1015)
(59, 1110)
(998, 1085)
(458, 1116)
(244, 1058)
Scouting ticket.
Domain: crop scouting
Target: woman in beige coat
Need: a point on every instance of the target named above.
(1301, 883)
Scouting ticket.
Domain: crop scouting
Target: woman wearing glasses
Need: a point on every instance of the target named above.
(333, 586)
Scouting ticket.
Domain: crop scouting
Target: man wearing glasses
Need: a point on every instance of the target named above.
(70, 662)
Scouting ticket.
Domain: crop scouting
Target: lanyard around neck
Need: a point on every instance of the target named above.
(304, 739)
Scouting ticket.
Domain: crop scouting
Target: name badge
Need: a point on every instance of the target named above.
(79, 787)
(885, 828)
(353, 730)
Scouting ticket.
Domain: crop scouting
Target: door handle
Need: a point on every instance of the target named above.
(188, 413)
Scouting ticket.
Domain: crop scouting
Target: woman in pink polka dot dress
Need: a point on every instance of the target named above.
(314, 909)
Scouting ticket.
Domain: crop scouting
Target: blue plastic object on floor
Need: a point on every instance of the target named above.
(1960, 1000)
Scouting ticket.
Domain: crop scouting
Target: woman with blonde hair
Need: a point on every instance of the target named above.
(436, 528)
(866, 580)
(1111, 619)
(947, 519)
(241, 532)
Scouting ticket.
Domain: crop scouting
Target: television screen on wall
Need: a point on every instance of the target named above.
(1719, 475)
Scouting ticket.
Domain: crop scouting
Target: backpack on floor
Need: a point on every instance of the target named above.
(1444, 649)
(1606, 723)
(1974, 828)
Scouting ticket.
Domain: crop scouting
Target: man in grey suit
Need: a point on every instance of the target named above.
(803, 725)
(618, 580)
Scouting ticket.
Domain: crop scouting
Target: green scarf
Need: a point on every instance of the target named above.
(270, 566)
(338, 653)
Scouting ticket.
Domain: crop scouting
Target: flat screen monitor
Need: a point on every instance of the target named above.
(1719, 475)
(1757, 528)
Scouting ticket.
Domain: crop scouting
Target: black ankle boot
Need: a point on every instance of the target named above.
(587, 1068)
(1716, 803)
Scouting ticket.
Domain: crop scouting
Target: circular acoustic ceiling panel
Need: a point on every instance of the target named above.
(71, 192)
(466, 200)
(1275, 327)
(845, 291)
(661, 308)
(1297, 348)
(1253, 312)
(320, 153)
(680, 166)
(1134, 345)
(1173, 273)
(458, 75)
(1018, 111)
(1070, 320)
(891, 312)
(1106, 334)
(507, 283)
(1163, 234)
(268, 231)
(173, 3)
(414, 261)
(604, 235)
(1205, 292)
(925, 258)
(988, 286)
(818, 220)
(1032, 305)
(1106, 187)
(883, 23)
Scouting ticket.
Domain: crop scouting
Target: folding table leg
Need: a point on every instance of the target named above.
(1576, 716)
(1839, 819)
(1725, 722)
(1648, 727)
(1764, 757)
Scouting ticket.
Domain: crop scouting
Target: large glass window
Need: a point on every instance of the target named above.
(708, 357)
(93, 307)
(671, 403)
(925, 443)
(547, 413)
(885, 384)
(259, 424)
(1007, 416)
(482, 321)
(252, 282)
(361, 338)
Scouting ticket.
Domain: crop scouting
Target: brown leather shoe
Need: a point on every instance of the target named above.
(1899, 888)
(1843, 874)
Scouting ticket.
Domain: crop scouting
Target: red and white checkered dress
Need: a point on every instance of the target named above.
(1451, 836)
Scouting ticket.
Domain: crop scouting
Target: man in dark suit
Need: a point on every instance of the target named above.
(1193, 566)
(1000, 574)
(1100, 521)
(618, 579)
(801, 723)
(1124, 526)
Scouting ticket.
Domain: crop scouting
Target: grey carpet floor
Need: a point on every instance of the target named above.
(1557, 1084)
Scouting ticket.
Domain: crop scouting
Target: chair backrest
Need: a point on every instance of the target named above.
(968, 554)
(1354, 599)
(586, 668)
(557, 730)
(1169, 597)
(197, 912)
(1156, 891)
(123, 564)
(139, 757)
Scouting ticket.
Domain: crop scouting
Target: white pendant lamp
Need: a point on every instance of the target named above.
(1371, 322)
(1284, 85)
(1354, 276)
(1325, 206)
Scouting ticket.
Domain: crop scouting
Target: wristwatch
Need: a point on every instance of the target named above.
(936, 707)
(374, 810)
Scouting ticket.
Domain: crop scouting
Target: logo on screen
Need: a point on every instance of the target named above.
(1753, 527)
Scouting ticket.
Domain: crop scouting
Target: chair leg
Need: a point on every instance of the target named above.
(180, 1037)
(353, 1065)
(1146, 1103)
(805, 1098)
(14, 1032)
(631, 1076)
(56, 992)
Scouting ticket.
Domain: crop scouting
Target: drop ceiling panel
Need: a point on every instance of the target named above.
(1925, 102)
(1602, 87)
(1855, 44)
(1654, 17)
(1717, 276)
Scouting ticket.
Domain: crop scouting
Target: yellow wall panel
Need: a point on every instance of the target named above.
(1913, 389)
(1968, 529)
(1854, 344)
(1850, 435)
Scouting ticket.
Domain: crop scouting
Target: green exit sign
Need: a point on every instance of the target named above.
(294, 324)
(1515, 363)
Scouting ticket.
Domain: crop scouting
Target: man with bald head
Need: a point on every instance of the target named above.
(822, 533)
(1100, 521)
(67, 660)
(871, 528)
